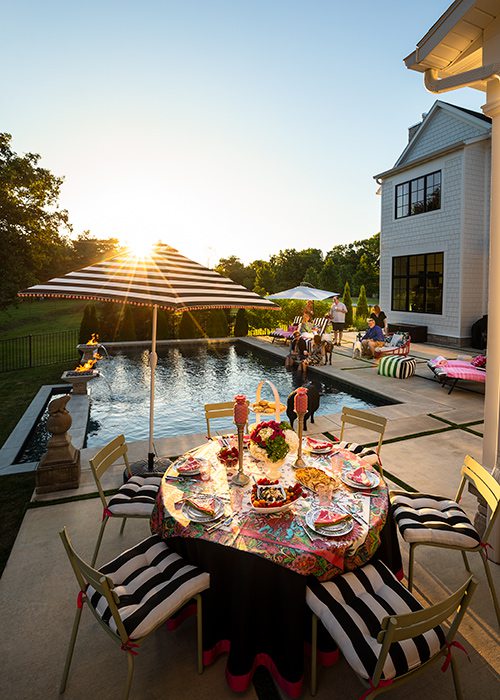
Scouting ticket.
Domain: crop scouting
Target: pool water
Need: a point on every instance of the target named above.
(187, 378)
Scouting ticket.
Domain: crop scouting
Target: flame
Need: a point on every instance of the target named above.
(86, 367)
(94, 339)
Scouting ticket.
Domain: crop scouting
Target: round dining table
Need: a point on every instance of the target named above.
(259, 562)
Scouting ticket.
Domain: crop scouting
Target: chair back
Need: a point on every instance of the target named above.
(105, 458)
(320, 324)
(396, 628)
(486, 485)
(363, 419)
(88, 576)
(223, 409)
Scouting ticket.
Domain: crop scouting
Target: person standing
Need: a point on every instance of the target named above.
(379, 317)
(338, 311)
(373, 338)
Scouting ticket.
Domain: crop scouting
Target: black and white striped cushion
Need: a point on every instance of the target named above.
(152, 582)
(136, 497)
(366, 453)
(352, 607)
(433, 519)
(397, 366)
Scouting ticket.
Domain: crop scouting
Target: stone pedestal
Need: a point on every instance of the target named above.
(79, 380)
(59, 468)
(87, 351)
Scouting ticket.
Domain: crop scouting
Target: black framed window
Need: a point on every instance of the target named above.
(417, 283)
(418, 195)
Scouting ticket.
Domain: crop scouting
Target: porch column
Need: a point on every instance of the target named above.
(491, 440)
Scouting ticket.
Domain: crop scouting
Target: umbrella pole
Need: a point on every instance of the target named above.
(153, 359)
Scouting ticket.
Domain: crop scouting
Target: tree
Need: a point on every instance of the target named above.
(87, 250)
(311, 276)
(216, 324)
(89, 323)
(241, 324)
(329, 277)
(165, 325)
(190, 326)
(290, 265)
(362, 305)
(233, 268)
(125, 328)
(32, 227)
(265, 279)
(348, 302)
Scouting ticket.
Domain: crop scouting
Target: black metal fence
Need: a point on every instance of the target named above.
(38, 350)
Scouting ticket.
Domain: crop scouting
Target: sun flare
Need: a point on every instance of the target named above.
(140, 247)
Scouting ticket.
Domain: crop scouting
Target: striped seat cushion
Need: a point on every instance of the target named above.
(151, 582)
(136, 497)
(352, 607)
(366, 453)
(397, 366)
(432, 519)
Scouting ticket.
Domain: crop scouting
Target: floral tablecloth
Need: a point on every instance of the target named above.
(282, 537)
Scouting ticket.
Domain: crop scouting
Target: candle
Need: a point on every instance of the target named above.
(240, 410)
(300, 401)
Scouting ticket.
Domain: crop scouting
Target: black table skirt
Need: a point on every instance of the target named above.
(255, 611)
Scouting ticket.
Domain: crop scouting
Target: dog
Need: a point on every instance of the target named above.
(327, 351)
(313, 399)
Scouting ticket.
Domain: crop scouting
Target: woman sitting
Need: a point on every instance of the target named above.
(316, 355)
(298, 350)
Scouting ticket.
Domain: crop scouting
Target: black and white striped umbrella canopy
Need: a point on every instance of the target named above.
(165, 279)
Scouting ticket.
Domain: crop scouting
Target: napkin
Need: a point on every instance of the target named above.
(318, 444)
(326, 517)
(359, 476)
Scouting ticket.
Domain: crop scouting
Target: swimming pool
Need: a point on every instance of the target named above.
(186, 378)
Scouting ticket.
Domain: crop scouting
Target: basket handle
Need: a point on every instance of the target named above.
(277, 400)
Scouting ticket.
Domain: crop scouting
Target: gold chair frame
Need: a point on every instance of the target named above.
(489, 489)
(87, 575)
(395, 628)
(368, 421)
(223, 409)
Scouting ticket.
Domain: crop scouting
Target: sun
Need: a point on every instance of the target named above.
(140, 247)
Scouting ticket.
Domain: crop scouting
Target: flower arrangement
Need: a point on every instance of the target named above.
(272, 441)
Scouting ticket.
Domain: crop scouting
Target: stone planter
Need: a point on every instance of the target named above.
(59, 468)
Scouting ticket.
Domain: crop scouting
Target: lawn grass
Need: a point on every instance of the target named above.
(36, 316)
(15, 494)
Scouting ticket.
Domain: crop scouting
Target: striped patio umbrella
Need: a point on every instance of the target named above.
(165, 279)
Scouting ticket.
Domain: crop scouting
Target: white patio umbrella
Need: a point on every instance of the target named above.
(303, 292)
(165, 279)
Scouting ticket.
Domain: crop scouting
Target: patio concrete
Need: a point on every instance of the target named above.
(38, 590)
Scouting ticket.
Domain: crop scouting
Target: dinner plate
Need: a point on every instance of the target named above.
(317, 450)
(192, 472)
(197, 516)
(374, 478)
(329, 530)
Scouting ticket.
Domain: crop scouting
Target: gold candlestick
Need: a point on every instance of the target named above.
(300, 407)
(299, 462)
(240, 419)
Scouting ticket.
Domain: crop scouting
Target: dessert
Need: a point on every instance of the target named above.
(360, 476)
(270, 494)
(228, 456)
(205, 506)
(325, 518)
(190, 466)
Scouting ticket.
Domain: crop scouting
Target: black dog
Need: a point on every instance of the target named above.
(312, 404)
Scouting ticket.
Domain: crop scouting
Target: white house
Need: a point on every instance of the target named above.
(435, 225)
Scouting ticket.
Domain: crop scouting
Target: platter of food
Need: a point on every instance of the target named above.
(361, 478)
(264, 406)
(328, 522)
(312, 477)
(228, 456)
(272, 497)
(203, 508)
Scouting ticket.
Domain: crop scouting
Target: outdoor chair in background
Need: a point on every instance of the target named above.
(437, 521)
(280, 334)
(383, 632)
(135, 499)
(223, 409)
(368, 421)
(134, 594)
(398, 344)
(456, 370)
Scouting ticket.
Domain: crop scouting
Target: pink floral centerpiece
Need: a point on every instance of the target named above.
(270, 442)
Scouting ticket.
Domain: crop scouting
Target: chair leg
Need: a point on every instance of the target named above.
(99, 539)
(491, 585)
(410, 567)
(456, 679)
(314, 655)
(130, 664)
(71, 648)
(199, 632)
(466, 561)
(122, 528)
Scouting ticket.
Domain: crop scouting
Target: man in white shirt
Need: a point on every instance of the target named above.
(338, 311)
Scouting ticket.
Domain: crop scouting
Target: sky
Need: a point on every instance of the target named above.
(221, 127)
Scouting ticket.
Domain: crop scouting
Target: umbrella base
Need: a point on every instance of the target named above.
(141, 468)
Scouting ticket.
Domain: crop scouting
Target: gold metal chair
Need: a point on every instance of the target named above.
(368, 421)
(134, 594)
(435, 521)
(135, 499)
(223, 409)
(382, 630)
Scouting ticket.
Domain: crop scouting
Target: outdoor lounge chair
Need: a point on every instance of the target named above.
(455, 370)
(280, 334)
(134, 594)
(383, 632)
(369, 421)
(135, 499)
(398, 344)
(437, 521)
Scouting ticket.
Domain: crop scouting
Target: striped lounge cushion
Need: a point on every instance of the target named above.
(151, 582)
(397, 366)
(366, 453)
(352, 606)
(432, 519)
(136, 497)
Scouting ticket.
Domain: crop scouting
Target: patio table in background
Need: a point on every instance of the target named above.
(259, 563)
